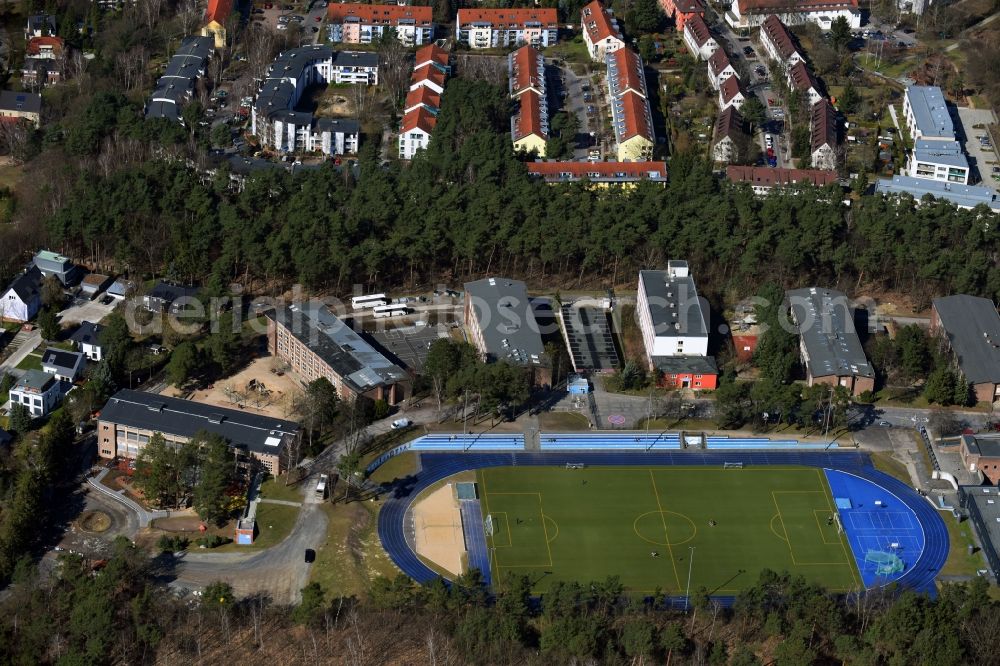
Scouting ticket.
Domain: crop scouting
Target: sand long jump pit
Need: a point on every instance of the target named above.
(437, 529)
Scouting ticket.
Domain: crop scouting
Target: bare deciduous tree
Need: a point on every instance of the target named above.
(130, 67)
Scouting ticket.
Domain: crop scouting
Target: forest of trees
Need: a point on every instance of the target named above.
(117, 615)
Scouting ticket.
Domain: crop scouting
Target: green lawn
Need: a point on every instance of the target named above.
(31, 362)
(274, 523)
(275, 488)
(554, 524)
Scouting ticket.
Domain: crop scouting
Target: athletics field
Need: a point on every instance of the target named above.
(644, 524)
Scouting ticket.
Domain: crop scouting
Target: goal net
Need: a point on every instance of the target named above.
(885, 563)
(732, 465)
(488, 524)
(575, 465)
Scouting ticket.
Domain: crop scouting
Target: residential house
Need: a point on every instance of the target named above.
(435, 56)
(600, 31)
(87, 339)
(177, 85)
(719, 69)
(764, 179)
(674, 328)
(599, 174)
(938, 160)
(52, 263)
(415, 132)
(823, 136)
(698, 38)
(631, 117)
(423, 101)
(356, 23)
(41, 72)
(802, 80)
(39, 391)
(829, 345)
(315, 343)
(120, 288)
(500, 321)
(981, 453)
(778, 43)
(731, 139)
(93, 284)
(167, 297)
(66, 366)
(216, 19)
(23, 298)
(40, 25)
(731, 94)
(682, 11)
(529, 127)
(926, 114)
(274, 118)
(16, 106)
(430, 77)
(130, 418)
(745, 14)
(969, 329)
(962, 196)
(503, 28)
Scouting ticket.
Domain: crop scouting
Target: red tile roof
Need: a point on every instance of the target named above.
(35, 45)
(683, 6)
(793, 6)
(637, 122)
(768, 177)
(801, 78)
(431, 53)
(718, 62)
(429, 73)
(525, 73)
(419, 118)
(823, 125)
(630, 170)
(596, 20)
(729, 123)
(379, 14)
(699, 29)
(422, 96)
(218, 11)
(778, 35)
(529, 117)
(629, 72)
(509, 17)
(730, 88)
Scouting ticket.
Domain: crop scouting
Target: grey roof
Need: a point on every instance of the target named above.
(35, 380)
(676, 365)
(930, 111)
(338, 125)
(88, 333)
(350, 356)
(965, 196)
(183, 70)
(186, 418)
(988, 447)
(161, 109)
(973, 329)
(120, 287)
(27, 285)
(168, 293)
(507, 320)
(66, 360)
(41, 22)
(674, 307)
(940, 152)
(824, 319)
(987, 501)
(24, 102)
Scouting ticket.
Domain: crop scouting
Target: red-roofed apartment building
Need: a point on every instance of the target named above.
(356, 23)
(423, 101)
(698, 38)
(631, 117)
(600, 31)
(801, 79)
(529, 128)
(745, 14)
(216, 17)
(731, 94)
(600, 174)
(778, 42)
(763, 179)
(681, 11)
(498, 28)
(720, 69)
(823, 135)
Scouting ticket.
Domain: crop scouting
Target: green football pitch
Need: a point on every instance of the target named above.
(644, 524)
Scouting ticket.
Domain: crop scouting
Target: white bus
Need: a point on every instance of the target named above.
(370, 301)
(321, 487)
(394, 310)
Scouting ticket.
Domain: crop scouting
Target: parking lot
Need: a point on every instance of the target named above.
(575, 94)
(982, 160)
(285, 17)
(84, 309)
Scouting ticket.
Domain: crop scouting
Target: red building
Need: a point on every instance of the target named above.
(682, 10)
(688, 372)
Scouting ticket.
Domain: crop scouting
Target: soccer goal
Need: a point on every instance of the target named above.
(732, 465)
(886, 564)
(488, 525)
(575, 465)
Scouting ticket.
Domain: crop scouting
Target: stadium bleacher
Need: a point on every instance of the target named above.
(723, 442)
(454, 442)
(639, 441)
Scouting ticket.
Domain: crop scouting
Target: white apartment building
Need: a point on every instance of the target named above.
(938, 160)
(698, 38)
(670, 314)
(503, 28)
(926, 114)
(600, 31)
(778, 43)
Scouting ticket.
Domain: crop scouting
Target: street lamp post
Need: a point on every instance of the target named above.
(687, 596)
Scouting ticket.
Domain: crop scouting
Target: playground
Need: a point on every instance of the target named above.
(262, 387)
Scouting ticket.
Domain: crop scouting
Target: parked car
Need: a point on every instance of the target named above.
(310, 556)
(885, 424)
(399, 424)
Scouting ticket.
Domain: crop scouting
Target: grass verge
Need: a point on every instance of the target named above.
(351, 556)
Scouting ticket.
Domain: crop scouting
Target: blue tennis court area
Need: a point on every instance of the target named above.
(885, 535)
(475, 537)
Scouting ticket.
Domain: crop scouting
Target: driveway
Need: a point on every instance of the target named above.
(981, 160)
(566, 92)
(83, 309)
(23, 344)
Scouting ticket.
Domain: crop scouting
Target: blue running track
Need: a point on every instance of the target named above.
(919, 574)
